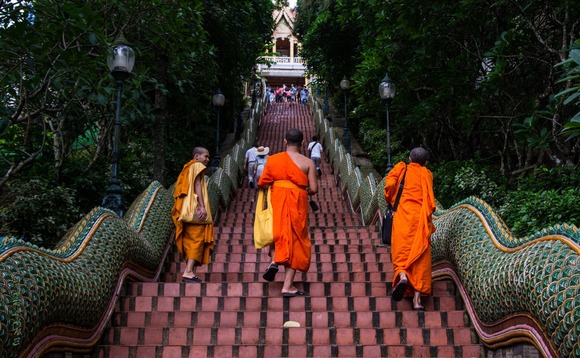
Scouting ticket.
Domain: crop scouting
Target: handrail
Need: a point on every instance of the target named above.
(283, 59)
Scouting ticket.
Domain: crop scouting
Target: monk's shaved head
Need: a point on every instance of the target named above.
(294, 136)
(419, 155)
(199, 151)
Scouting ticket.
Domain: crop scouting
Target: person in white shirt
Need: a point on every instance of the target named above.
(250, 164)
(315, 150)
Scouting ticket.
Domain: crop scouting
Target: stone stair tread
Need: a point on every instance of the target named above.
(279, 303)
(177, 289)
(435, 320)
(269, 350)
(292, 336)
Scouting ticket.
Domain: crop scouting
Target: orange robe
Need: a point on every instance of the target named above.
(194, 241)
(412, 224)
(290, 207)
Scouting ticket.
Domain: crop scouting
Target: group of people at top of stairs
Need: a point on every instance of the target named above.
(293, 178)
(287, 94)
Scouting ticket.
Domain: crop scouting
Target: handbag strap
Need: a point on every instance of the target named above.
(400, 190)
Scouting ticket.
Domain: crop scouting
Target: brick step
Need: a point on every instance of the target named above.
(194, 300)
(328, 230)
(264, 289)
(338, 258)
(233, 271)
(327, 205)
(324, 195)
(327, 192)
(299, 350)
(318, 219)
(245, 197)
(247, 209)
(230, 336)
(245, 237)
(246, 233)
(322, 230)
(236, 213)
(367, 245)
(310, 319)
(348, 289)
(361, 247)
(175, 276)
(259, 266)
(277, 303)
(224, 246)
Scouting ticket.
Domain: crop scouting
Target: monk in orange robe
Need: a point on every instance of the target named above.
(412, 226)
(292, 177)
(193, 229)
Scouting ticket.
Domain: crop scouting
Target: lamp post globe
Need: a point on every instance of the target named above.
(387, 93)
(218, 101)
(345, 86)
(120, 59)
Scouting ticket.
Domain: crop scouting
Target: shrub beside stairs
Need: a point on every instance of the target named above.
(348, 310)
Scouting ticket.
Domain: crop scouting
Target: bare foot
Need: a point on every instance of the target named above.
(417, 304)
(292, 289)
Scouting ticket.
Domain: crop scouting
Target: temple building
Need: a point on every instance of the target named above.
(284, 66)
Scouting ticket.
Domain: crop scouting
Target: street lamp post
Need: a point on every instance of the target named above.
(387, 92)
(120, 60)
(345, 85)
(217, 100)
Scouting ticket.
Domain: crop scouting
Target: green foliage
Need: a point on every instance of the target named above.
(465, 73)
(543, 198)
(58, 99)
(41, 212)
(572, 94)
(456, 180)
(527, 211)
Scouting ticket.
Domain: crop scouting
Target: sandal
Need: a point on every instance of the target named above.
(294, 294)
(270, 273)
(400, 289)
(191, 279)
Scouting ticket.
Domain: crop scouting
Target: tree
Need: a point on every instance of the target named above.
(475, 79)
(58, 97)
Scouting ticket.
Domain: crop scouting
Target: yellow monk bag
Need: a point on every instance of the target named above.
(263, 220)
(190, 202)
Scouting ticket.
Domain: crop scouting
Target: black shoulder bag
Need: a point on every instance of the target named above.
(387, 228)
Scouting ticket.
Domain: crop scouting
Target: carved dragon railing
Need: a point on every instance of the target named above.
(515, 289)
(67, 294)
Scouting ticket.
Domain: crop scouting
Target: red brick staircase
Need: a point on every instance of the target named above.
(348, 311)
